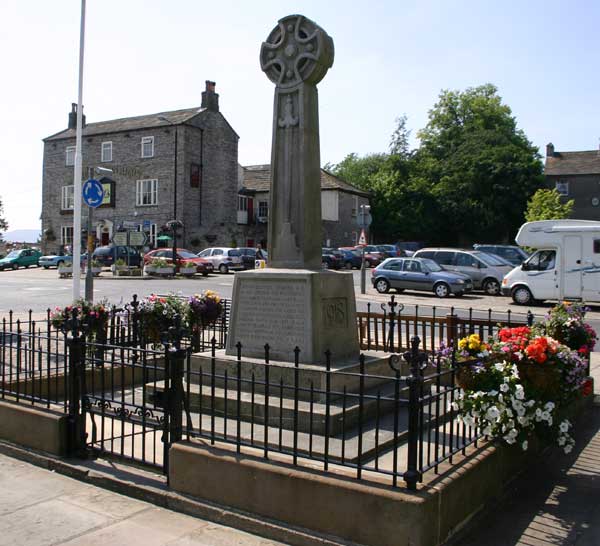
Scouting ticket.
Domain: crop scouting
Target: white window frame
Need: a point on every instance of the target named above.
(562, 187)
(263, 209)
(242, 203)
(142, 191)
(148, 140)
(108, 147)
(66, 235)
(70, 155)
(67, 197)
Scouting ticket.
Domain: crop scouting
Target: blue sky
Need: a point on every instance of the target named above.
(392, 57)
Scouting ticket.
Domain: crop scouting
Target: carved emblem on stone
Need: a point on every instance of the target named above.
(288, 119)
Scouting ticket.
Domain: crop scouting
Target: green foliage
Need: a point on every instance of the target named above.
(3, 222)
(468, 181)
(545, 205)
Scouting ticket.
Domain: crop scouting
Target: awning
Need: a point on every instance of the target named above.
(163, 238)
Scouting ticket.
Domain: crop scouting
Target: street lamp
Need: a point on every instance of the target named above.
(174, 225)
(174, 125)
(364, 224)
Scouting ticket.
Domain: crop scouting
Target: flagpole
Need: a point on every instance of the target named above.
(78, 168)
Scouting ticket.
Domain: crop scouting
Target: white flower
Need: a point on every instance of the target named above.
(561, 440)
(493, 394)
(524, 445)
(499, 366)
(487, 431)
(520, 393)
(500, 398)
(509, 439)
(549, 406)
(492, 413)
(568, 448)
(564, 426)
(545, 416)
(509, 412)
(523, 420)
(454, 406)
(504, 387)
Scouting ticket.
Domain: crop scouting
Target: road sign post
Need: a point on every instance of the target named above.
(364, 221)
(93, 195)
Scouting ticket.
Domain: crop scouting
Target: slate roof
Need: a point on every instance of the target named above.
(565, 163)
(131, 124)
(258, 178)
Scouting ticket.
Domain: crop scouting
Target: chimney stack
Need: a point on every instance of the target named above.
(73, 117)
(550, 150)
(210, 99)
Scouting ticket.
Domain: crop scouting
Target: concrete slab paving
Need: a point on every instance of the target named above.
(42, 508)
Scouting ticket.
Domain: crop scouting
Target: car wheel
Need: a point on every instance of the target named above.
(521, 295)
(459, 294)
(59, 263)
(223, 268)
(46, 267)
(367, 263)
(15, 266)
(441, 290)
(491, 287)
(205, 274)
(382, 286)
(325, 265)
(348, 265)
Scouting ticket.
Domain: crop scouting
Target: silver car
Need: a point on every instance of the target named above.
(223, 259)
(486, 270)
(418, 274)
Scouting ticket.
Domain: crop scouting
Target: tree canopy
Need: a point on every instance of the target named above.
(469, 180)
(3, 222)
(545, 205)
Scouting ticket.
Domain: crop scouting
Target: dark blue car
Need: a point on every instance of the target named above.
(419, 274)
(352, 259)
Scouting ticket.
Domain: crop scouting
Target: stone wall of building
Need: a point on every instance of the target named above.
(585, 190)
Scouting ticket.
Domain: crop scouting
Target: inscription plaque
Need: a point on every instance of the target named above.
(335, 312)
(283, 318)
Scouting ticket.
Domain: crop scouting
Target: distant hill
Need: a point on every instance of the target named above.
(21, 235)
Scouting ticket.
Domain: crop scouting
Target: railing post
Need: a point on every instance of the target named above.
(451, 328)
(415, 359)
(76, 417)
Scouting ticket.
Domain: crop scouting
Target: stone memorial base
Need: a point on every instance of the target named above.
(312, 310)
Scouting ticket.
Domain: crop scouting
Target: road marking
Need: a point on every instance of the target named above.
(41, 289)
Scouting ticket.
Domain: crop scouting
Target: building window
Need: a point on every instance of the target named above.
(263, 209)
(152, 235)
(106, 151)
(242, 203)
(148, 146)
(70, 156)
(330, 206)
(146, 192)
(195, 175)
(354, 206)
(562, 188)
(66, 235)
(67, 202)
(596, 246)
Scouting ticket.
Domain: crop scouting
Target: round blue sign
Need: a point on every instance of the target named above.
(93, 193)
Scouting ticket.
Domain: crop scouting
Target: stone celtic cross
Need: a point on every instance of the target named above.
(295, 57)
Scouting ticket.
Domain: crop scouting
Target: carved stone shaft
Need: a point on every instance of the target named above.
(296, 56)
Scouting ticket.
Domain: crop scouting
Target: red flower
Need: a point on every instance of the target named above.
(587, 387)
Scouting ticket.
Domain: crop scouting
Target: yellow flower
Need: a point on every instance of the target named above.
(462, 343)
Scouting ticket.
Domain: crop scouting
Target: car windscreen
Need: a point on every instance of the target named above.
(13, 254)
(490, 259)
(430, 265)
(185, 254)
(233, 253)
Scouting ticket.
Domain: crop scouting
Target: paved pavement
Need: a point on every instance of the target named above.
(42, 508)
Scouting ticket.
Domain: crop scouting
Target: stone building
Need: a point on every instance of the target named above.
(196, 146)
(340, 204)
(576, 175)
(179, 165)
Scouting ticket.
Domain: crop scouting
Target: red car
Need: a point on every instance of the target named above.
(183, 257)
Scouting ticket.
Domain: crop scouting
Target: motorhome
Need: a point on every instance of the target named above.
(565, 266)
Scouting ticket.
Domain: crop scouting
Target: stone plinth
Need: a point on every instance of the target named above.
(312, 310)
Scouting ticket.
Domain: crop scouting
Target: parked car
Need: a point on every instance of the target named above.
(57, 260)
(249, 256)
(390, 251)
(223, 258)
(351, 258)
(485, 270)
(20, 258)
(511, 253)
(108, 255)
(409, 247)
(419, 274)
(331, 259)
(184, 257)
(372, 259)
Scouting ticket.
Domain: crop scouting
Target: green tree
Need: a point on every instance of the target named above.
(479, 166)
(3, 222)
(358, 171)
(400, 141)
(545, 205)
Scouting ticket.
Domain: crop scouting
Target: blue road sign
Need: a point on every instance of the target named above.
(93, 193)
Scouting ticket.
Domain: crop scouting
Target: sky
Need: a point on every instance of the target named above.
(391, 57)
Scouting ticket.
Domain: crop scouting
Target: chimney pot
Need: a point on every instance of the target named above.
(550, 150)
(210, 99)
(73, 116)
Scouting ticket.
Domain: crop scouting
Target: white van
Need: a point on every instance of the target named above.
(566, 264)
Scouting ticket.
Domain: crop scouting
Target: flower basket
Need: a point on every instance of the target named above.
(188, 271)
(164, 271)
(464, 377)
(545, 379)
(149, 270)
(65, 271)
